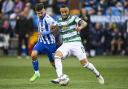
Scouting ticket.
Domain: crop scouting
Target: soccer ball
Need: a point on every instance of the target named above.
(64, 80)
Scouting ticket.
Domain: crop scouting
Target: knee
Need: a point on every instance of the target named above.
(56, 57)
(58, 54)
(84, 62)
(34, 55)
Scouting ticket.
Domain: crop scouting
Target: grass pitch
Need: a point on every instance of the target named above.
(15, 73)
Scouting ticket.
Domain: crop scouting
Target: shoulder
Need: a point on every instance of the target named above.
(58, 18)
(75, 16)
(48, 18)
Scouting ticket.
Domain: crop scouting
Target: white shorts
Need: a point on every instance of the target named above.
(73, 48)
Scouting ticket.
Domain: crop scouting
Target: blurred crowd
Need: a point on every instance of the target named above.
(18, 25)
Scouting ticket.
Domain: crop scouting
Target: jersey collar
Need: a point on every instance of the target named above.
(67, 17)
(43, 17)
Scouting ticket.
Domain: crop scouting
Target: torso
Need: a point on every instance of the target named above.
(68, 29)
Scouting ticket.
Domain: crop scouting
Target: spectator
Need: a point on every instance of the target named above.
(28, 10)
(101, 7)
(116, 10)
(23, 29)
(12, 20)
(85, 31)
(96, 40)
(125, 4)
(57, 4)
(18, 6)
(7, 8)
(125, 34)
(46, 2)
(126, 12)
(1, 21)
(126, 43)
(1, 3)
(5, 30)
(117, 42)
(108, 38)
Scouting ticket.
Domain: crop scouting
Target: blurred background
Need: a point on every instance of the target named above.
(106, 33)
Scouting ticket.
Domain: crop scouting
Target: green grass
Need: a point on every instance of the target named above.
(15, 73)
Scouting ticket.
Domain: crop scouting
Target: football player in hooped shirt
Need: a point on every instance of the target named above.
(46, 40)
(70, 27)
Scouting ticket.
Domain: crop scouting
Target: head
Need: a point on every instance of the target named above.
(98, 26)
(40, 9)
(64, 10)
(28, 4)
(17, 1)
(83, 11)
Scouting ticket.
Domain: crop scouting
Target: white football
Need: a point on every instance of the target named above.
(64, 80)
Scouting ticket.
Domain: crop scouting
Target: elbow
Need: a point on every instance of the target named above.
(85, 24)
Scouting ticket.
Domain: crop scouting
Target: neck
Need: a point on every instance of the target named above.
(41, 18)
(66, 17)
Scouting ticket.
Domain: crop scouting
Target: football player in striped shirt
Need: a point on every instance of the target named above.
(46, 40)
(70, 27)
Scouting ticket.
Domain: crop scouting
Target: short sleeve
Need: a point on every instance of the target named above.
(77, 19)
(51, 21)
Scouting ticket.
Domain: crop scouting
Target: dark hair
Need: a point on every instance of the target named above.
(63, 6)
(39, 6)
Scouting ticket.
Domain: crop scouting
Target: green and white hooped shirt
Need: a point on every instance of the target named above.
(68, 29)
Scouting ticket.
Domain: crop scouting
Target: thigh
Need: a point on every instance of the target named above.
(65, 49)
(50, 51)
(52, 48)
(39, 47)
(78, 51)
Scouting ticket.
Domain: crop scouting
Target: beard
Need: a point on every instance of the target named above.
(41, 17)
(65, 16)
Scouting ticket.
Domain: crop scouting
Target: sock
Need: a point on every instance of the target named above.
(91, 67)
(58, 65)
(35, 66)
(37, 72)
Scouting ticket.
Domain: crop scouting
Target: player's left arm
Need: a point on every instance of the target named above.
(80, 24)
(49, 21)
(53, 24)
(46, 32)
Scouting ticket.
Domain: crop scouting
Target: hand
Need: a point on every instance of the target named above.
(17, 35)
(78, 28)
(52, 27)
(26, 35)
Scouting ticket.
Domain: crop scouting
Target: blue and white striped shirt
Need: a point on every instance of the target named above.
(44, 33)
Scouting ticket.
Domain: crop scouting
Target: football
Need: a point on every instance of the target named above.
(64, 80)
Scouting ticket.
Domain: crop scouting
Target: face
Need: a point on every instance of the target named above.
(40, 13)
(64, 12)
(98, 26)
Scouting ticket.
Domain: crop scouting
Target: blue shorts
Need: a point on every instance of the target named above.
(48, 49)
